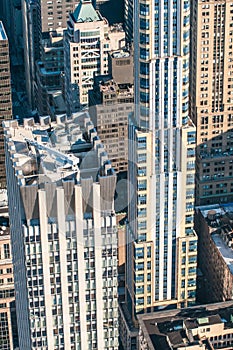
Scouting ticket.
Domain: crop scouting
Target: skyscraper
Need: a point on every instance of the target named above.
(39, 18)
(212, 99)
(31, 21)
(48, 71)
(64, 234)
(54, 14)
(110, 103)
(7, 293)
(128, 20)
(161, 242)
(5, 96)
(86, 46)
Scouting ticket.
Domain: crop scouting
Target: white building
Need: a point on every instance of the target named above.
(64, 235)
(87, 42)
(162, 245)
(40, 17)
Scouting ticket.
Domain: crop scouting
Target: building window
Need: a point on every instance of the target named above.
(6, 251)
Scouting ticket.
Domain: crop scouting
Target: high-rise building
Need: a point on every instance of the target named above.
(12, 9)
(161, 242)
(113, 10)
(8, 331)
(39, 18)
(111, 102)
(5, 96)
(88, 40)
(211, 92)
(54, 14)
(5, 13)
(64, 234)
(213, 224)
(202, 327)
(31, 22)
(128, 20)
(48, 71)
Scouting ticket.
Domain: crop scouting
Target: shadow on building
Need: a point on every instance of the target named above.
(113, 10)
(214, 167)
(214, 212)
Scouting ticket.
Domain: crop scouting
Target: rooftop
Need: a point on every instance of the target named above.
(120, 89)
(117, 27)
(107, 85)
(4, 230)
(120, 54)
(58, 103)
(2, 32)
(219, 218)
(50, 151)
(85, 12)
(55, 40)
(176, 329)
(4, 216)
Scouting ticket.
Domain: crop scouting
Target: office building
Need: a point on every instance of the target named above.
(113, 10)
(5, 83)
(31, 23)
(39, 18)
(64, 234)
(213, 224)
(8, 327)
(48, 71)
(88, 40)
(5, 96)
(161, 242)
(54, 14)
(211, 92)
(7, 295)
(205, 327)
(127, 329)
(12, 9)
(161, 253)
(5, 13)
(111, 102)
(129, 20)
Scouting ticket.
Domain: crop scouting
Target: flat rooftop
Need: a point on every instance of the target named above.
(117, 27)
(50, 151)
(3, 35)
(219, 220)
(181, 328)
(224, 250)
(121, 89)
(120, 54)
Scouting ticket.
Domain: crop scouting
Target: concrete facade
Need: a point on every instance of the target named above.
(110, 103)
(64, 234)
(54, 14)
(7, 292)
(205, 327)
(213, 224)
(31, 23)
(161, 241)
(87, 43)
(5, 96)
(211, 92)
(40, 17)
(129, 20)
(48, 71)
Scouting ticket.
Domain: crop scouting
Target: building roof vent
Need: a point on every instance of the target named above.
(203, 320)
(211, 215)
